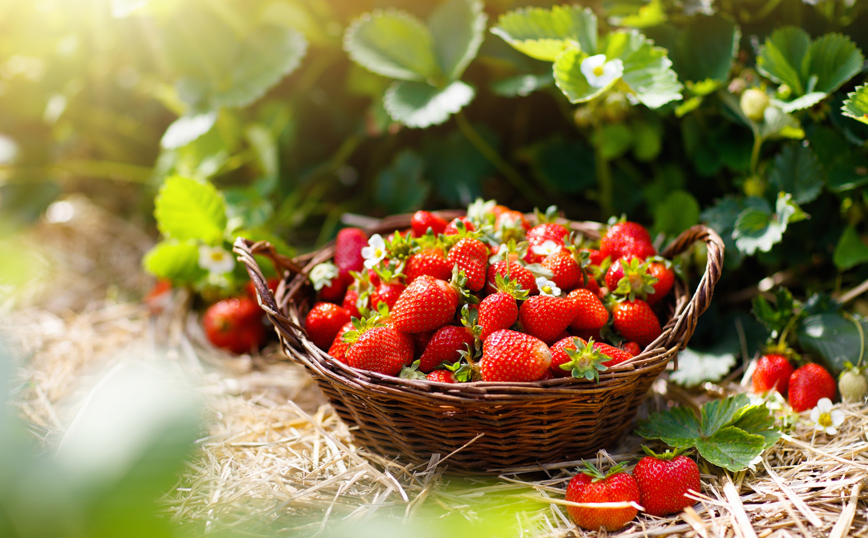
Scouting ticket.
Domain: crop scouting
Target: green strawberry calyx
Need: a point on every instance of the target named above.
(459, 282)
(669, 455)
(636, 282)
(598, 476)
(551, 215)
(504, 284)
(361, 326)
(585, 360)
(412, 371)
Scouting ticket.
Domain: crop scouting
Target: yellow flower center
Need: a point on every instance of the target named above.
(825, 420)
(378, 252)
(599, 71)
(547, 289)
(217, 256)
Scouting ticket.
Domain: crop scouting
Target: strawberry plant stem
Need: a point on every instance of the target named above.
(604, 183)
(510, 173)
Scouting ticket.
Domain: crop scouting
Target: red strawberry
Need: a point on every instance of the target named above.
(636, 321)
(323, 321)
(591, 314)
(593, 487)
(235, 325)
(453, 228)
(348, 250)
(379, 349)
(596, 257)
(665, 279)
(515, 271)
(431, 262)
(499, 310)
(329, 282)
(420, 341)
(546, 316)
(808, 385)
(510, 220)
(772, 372)
(351, 302)
(539, 235)
(632, 348)
(422, 220)
(565, 270)
(663, 481)
(160, 296)
(338, 349)
(441, 376)
(471, 256)
(427, 304)
(514, 356)
(578, 358)
(626, 238)
(629, 277)
(444, 346)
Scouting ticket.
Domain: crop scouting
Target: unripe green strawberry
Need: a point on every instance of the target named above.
(663, 480)
(852, 385)
(753, 103)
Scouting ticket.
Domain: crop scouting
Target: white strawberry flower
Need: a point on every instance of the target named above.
(215, 260)
(547, 287)
(825, 419)
(323, 274)
(601, 73)
(548, 247)
(477, 211)
(375, 251)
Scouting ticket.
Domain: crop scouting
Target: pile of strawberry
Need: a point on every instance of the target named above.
(489, 297)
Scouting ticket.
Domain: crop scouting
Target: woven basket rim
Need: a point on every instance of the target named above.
(284, 313)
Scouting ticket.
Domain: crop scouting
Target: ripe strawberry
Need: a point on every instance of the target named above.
(348, 250)
(629, 277)
(808, 384)
(565, 270)
(546, 316)
(636, 321)
(572, 356)
(351, 302)
(515, 271)
(632, 348)
(537, 237)
(420, 341)
(626, 238)
(471, 256)
(590, 312)
(772, 372)
(591, 486)
(431, 262)
(511, 220)
(499, 310)
(444, 346)
(595, 256)
(454, 229)
(665, 279)
(379, 349)
(514, 356)
(441, 376)
(235, 325)
(323, 321)
(159, 297)
(387, 293)
(427, 304)
(338, 349)
(663, 481)
(422, 220)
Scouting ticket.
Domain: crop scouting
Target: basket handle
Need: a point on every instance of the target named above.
(284, 265)
(686, 324)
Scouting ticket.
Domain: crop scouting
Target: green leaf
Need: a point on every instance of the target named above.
(856, 105)
(776, 317)
(850, 251)
(571, 81)
(695, 368)
(757, 420)
(731, 448)
(758, 228)
(260, 234)
(400, 188)
(835, 59)
(833, 339)
(393, 44)
(175, 261)
(544, 34)
(676, 427)
(718, 413)
(457, 28)
(650, 14)
(778, 124)
(186, 129)
(522, 85)
(782, 57)
(647, 140)
(613, 139)
(796, 171)
(188, 209)
(647, 69)
(799, 103)
(706, 50)
(675, 213)
(264, 145)
(416, 104)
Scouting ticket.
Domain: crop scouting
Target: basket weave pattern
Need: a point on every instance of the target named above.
(490, 427)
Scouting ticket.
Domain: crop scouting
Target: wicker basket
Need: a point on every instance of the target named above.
(483, 427)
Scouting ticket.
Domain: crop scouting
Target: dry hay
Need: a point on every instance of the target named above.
(276, 460)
